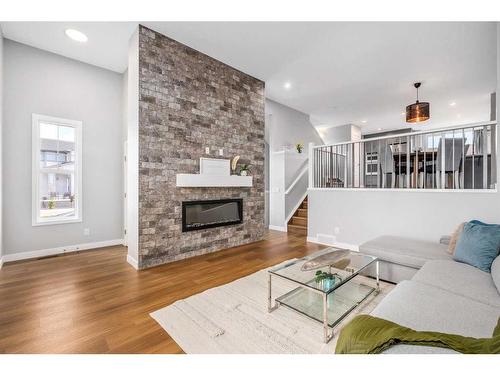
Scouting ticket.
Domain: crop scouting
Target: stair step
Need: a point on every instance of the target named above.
(302, 212)
(304, 205)
(297, 229)
(297, 220)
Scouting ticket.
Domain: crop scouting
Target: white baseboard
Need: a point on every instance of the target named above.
(275, 227)
(334, 243)
(132, 262)
(60, 250)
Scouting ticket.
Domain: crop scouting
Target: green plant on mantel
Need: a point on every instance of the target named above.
(244, 169)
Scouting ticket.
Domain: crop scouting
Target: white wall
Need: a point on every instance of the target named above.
(124, 149)
(133, 151)
(1, 150)
(277, 191)
(339, 134)
(286, 167)
(286, 127)
(125, 104)
(363, 215)
(40, 82)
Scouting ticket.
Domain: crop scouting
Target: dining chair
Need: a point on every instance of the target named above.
(402, 171)
(387, 166)
(454, 149)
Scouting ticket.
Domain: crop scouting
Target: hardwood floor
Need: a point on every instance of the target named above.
(95, 302)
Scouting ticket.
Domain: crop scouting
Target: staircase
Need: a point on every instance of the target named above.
(298, 222)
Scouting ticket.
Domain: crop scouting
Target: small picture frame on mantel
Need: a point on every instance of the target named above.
(215, 167)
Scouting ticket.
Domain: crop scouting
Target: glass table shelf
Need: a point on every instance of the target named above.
(339, 303)
(328, 301)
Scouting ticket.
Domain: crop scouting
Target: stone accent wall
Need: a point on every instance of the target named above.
(189, 101)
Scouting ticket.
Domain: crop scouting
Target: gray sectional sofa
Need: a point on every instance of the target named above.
(400, 258)
(439, 294)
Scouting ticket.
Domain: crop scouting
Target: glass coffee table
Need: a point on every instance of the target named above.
(327, 301)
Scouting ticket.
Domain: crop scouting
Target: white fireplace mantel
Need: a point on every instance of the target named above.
(208, 180)
(213, 173)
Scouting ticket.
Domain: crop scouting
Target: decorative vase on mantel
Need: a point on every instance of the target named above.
(234, 164)
(244, 173)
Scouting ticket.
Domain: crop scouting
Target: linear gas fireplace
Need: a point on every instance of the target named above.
(210, 214)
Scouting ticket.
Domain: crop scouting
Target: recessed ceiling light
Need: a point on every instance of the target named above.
(453, 104)
(403, 113)
(287, 85)
(379, 129)
(76, 35)
(364, 121)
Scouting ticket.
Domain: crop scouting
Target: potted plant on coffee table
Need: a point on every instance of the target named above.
(325, 280)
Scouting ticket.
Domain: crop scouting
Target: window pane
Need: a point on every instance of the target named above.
(66, 134)
(48, 131)
(57, 197)
(48, 153)
(57, 153)
(66, 155)
(57, 185)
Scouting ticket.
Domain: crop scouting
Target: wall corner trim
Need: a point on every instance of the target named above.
(132, 262)
(60, 250)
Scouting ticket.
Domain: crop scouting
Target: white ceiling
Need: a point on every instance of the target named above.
(339, 72)
(107, 45)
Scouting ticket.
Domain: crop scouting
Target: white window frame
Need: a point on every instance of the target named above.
(35, 169)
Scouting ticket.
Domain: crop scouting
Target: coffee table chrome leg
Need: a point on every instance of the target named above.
(378, 279)
(270, 306)
(327, 336)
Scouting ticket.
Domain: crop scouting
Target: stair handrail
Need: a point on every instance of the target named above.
(304, 170)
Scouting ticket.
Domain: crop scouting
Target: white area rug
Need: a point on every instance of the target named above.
(233, 318)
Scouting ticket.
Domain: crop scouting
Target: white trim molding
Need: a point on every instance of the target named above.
(208, 180)
(1, 262)
(35, 169)
(276, 227)
(132, 262)
(303, 171)
(59, 250)
(333, 243)
(410, 190)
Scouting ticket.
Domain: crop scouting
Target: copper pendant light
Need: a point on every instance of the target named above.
(418, 111)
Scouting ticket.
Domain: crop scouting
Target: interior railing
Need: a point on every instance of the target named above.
(460, 157)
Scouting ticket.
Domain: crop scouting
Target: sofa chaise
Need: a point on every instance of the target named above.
(440, 295)
(400, 258)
